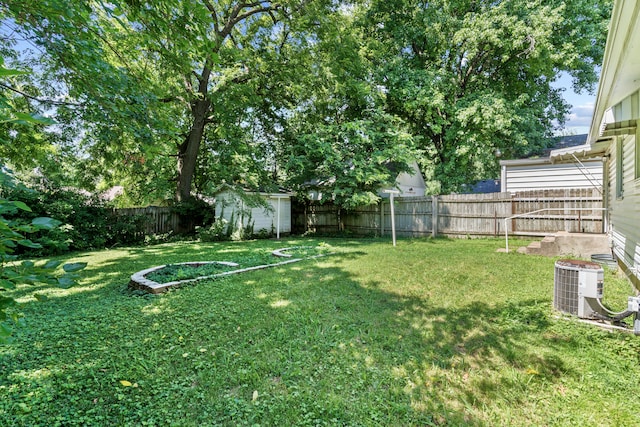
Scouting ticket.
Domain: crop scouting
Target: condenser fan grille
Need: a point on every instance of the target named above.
(565, 294)
(577, 286)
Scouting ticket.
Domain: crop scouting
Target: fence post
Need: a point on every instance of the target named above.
(434, 216)
(579, 221)
(513, 221)
(382, 218)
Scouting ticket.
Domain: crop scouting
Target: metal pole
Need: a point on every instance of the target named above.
(278, 221)
(393, 217)
(393, 221)
(506, 235)
(434, 216)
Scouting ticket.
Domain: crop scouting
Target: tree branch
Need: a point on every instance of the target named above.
(245, 15)
(530, 48)
(235, 16)
(214, 15)
(39, 100)
(108, 43)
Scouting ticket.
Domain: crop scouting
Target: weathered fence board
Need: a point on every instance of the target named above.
(450, 215)
(566, 210)
(462, 214)
(159, 220)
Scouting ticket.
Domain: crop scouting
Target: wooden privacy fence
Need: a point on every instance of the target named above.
(462, 214)
(159, 220)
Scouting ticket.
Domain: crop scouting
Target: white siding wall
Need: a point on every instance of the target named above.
(228, 204)
(543, 176)
(624, 205)
(409, 184)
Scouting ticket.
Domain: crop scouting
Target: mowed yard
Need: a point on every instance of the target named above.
(431, 332)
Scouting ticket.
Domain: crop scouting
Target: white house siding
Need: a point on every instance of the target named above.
(624, 201)
(263, 217)
(541, 174)
(615, 120)
(409, 184)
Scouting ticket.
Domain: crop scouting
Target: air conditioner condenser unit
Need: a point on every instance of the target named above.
(578, 287)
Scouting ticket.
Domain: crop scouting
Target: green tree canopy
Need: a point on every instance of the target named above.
(151, 80)
(474, 76)
(172, 97)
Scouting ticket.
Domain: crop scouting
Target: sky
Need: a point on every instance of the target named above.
(579, 118)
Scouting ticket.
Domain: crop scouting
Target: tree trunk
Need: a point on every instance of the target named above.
(188, 153)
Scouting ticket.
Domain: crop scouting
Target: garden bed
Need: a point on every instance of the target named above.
(160, 278)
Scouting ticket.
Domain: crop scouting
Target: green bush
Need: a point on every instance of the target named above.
(263, 233)
(87, 223)
(236, 229)
(13, 236)
(193, 213)
(232, 229)
(216, 232)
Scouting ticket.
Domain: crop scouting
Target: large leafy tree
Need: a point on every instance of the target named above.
(152, 79)
(170, 94)
(24, 142)
(475, 76)
(248, 92)
(337, 139)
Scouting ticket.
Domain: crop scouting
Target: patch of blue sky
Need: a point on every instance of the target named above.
(579, 118)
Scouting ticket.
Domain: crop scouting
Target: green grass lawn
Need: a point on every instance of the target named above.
(431, 332)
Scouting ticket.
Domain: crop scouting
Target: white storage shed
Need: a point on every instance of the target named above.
(542, 174)
(269, 213)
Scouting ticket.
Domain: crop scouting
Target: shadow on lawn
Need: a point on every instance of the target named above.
(436, 364)
(447, 360)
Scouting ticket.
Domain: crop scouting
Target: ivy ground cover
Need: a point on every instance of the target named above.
(431, 332)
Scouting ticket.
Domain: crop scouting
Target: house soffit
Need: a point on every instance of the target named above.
(620, 75)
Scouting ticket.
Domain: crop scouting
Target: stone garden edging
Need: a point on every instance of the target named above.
(139, 280)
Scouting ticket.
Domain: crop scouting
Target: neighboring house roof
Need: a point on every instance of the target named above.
(567, 141)
(111, 193)
(564, 144)
(483, 186)
(582, 152)
(410, 184)
(620, 74)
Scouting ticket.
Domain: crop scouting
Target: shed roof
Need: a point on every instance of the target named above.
(582, 152)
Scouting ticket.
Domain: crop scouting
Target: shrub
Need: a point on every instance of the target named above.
(216, 232)
(237, 230)
(193, 213)
(13, 236)
(86, 222)
(263, 233)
